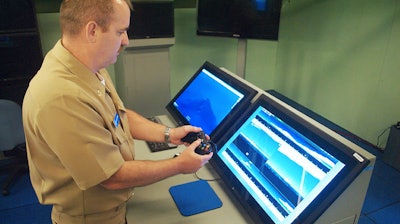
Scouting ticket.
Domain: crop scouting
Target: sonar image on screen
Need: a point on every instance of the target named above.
(279, 167)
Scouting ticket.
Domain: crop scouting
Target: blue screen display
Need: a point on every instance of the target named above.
(207, 101)
(280, 168)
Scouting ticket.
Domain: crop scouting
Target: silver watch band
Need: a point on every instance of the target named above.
(166, 135)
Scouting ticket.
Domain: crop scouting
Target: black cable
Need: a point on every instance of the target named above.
(214, 150)
(379, 136)
(200, 178)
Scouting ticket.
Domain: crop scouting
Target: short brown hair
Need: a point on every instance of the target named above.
(74, 14)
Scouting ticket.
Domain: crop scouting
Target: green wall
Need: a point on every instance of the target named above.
(342, 59)
(339, 58)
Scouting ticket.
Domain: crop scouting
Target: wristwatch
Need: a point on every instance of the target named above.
(166, 135)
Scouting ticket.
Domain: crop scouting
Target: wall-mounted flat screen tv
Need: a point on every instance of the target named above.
(152, 19)
(249, 19)
(17, 16)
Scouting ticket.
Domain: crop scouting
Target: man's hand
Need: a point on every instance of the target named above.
(176, 134)
(190, 161)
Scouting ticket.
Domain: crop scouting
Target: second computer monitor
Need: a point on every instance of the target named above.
(282, 167)
(211, 99)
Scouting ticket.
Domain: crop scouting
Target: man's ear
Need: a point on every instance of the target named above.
(91, 31)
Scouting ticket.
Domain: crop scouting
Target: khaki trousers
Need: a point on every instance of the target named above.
(114, 216)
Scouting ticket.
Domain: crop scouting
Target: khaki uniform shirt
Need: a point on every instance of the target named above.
(75, 140)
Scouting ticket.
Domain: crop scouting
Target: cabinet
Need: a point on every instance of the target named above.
(143, 75)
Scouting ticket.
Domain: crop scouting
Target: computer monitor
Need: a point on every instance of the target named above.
(211, 99)
(282, 167)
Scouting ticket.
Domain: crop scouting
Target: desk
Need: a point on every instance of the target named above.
(154, 204)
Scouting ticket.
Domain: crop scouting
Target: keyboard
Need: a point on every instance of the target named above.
(158, 146)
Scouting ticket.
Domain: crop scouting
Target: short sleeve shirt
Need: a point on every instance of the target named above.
(77, 135)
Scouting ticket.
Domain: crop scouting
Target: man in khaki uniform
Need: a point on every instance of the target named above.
(79, 134)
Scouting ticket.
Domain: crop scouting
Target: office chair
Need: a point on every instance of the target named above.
(12, 142)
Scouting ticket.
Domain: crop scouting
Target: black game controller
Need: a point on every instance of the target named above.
(205, 146)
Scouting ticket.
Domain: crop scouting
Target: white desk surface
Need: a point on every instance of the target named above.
(154, 204)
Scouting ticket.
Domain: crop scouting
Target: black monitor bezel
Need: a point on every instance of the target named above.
(238, 19)
(248, 92)
(333, 145)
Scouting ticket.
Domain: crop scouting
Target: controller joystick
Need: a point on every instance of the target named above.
(204, 147)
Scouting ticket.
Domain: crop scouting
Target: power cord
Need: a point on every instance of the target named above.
(379, 136)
